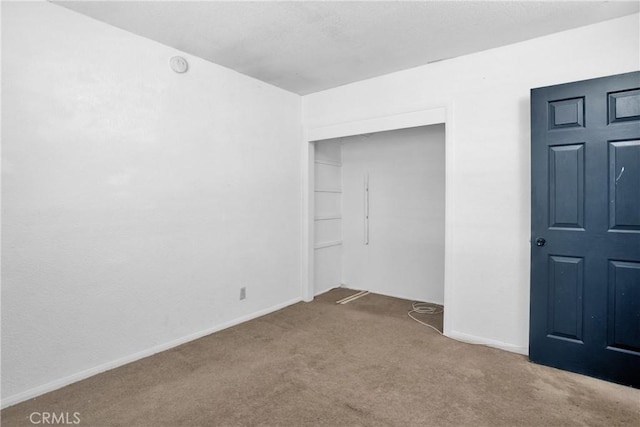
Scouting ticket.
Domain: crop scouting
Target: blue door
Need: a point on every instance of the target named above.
(585, 227)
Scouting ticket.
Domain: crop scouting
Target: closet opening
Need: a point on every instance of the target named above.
(378, 214)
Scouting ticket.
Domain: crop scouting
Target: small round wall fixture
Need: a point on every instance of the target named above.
(179, 64)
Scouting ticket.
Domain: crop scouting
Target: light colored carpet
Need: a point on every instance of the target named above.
(360, 364)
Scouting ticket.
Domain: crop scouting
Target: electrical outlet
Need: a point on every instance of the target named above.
(243, 293)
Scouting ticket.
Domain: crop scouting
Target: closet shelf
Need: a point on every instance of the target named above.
(328, 244)
(328, 162)
(327, 217)
(328, 190)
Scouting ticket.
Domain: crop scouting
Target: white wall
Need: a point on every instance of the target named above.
(136, 201)
(488, 97)
(327, 216)
(406, 174)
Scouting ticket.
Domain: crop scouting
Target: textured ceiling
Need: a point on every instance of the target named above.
(309, 46)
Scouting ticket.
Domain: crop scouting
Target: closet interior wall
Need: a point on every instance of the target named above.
(399, 251)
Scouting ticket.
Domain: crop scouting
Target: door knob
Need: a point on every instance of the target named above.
(540, 241)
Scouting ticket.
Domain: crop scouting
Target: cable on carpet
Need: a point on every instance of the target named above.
(425, 308)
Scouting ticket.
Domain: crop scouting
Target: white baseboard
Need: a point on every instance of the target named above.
(324, 291)
(59, 383)
(472, 339)
(388, 294)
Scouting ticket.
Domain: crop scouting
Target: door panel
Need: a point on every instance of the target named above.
(624, 106)
(624, 177)
(566, 186)
(566, 113)
(566, 284)
(585, 256)
(624, 305)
